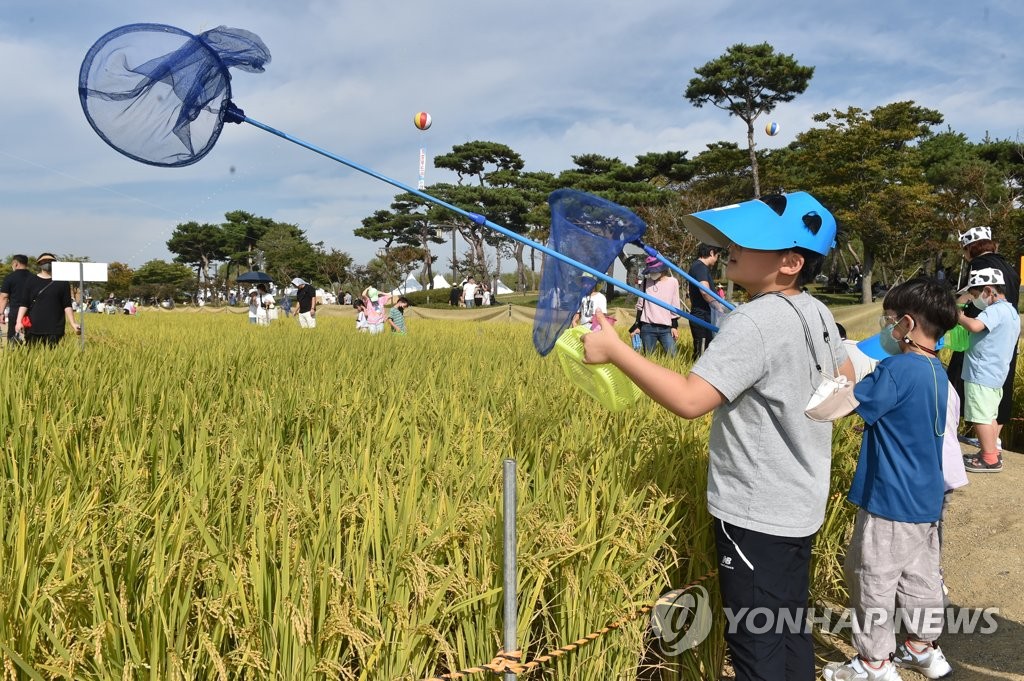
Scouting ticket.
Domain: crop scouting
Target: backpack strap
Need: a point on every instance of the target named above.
(807, 336)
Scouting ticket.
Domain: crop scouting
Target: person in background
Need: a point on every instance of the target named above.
(361, 323)
(305, 296)
(654, 323)
(253, 299)
(47, 304)
(591, 303)
(981, 252)
(994, 333)
(469, 292)
(374, 302)
(11, 289)
(862, 363)
(264, 305)
(701, 302)
(396, 315)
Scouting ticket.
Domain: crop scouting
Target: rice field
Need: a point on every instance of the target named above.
(193, 497)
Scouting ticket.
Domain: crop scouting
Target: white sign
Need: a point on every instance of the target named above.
(69, 271)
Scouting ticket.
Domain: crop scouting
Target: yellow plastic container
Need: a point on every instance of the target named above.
(604, 382)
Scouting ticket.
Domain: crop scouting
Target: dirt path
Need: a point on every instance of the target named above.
(984, 565)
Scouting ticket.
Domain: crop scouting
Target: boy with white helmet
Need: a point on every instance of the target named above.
(994, 335)
(981, 251)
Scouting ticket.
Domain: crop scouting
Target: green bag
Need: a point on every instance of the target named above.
(958, 339)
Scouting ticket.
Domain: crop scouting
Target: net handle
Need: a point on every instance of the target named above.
(232, 114)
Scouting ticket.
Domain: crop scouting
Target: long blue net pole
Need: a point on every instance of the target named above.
(235, 115)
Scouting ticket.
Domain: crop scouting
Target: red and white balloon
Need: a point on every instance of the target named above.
(421, 120)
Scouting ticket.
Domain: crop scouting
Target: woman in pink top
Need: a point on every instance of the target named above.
(654, 323)
(374, 301)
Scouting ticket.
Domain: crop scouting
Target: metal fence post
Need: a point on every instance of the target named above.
(511, 616)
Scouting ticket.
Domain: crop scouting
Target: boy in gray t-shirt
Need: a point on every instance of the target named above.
(769, 463)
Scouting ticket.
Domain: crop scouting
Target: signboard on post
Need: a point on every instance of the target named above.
(80, 272)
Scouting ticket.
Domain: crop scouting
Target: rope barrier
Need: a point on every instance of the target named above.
(512, 662)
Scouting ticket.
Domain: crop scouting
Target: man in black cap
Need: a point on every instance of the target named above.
(305, 296)
(14, 283)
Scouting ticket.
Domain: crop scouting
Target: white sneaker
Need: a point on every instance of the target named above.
(857, 670)
(931, 663)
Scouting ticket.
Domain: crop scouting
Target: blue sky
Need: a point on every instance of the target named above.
(551, 79)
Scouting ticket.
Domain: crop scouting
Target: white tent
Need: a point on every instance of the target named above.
(501, 289)
(439, 282)
(409, 286)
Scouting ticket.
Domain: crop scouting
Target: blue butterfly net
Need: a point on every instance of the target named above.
(591, 231)
(157, 94)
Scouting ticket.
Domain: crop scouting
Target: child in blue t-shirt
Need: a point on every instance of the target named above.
(898, 485)
(994, 335)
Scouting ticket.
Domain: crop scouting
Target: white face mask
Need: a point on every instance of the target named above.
(980, 301)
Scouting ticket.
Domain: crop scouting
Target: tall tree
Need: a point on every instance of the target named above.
(970, 190)
(119, 279)
(387, 226)
(334, 266)
(748, 81)
(288, 253)
(487, 173)
(242, 231)
(866, 168)
(645, 188)
(408, 223)
(158, 279)
(421, 231)
(198, 245)
(1008, 157)
(534, 187)
(722, 175)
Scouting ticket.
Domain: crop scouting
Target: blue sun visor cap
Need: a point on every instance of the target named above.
(872, 346)
(775, 222)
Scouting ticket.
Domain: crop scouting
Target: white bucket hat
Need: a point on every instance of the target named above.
(989, 276)
(975, 234)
